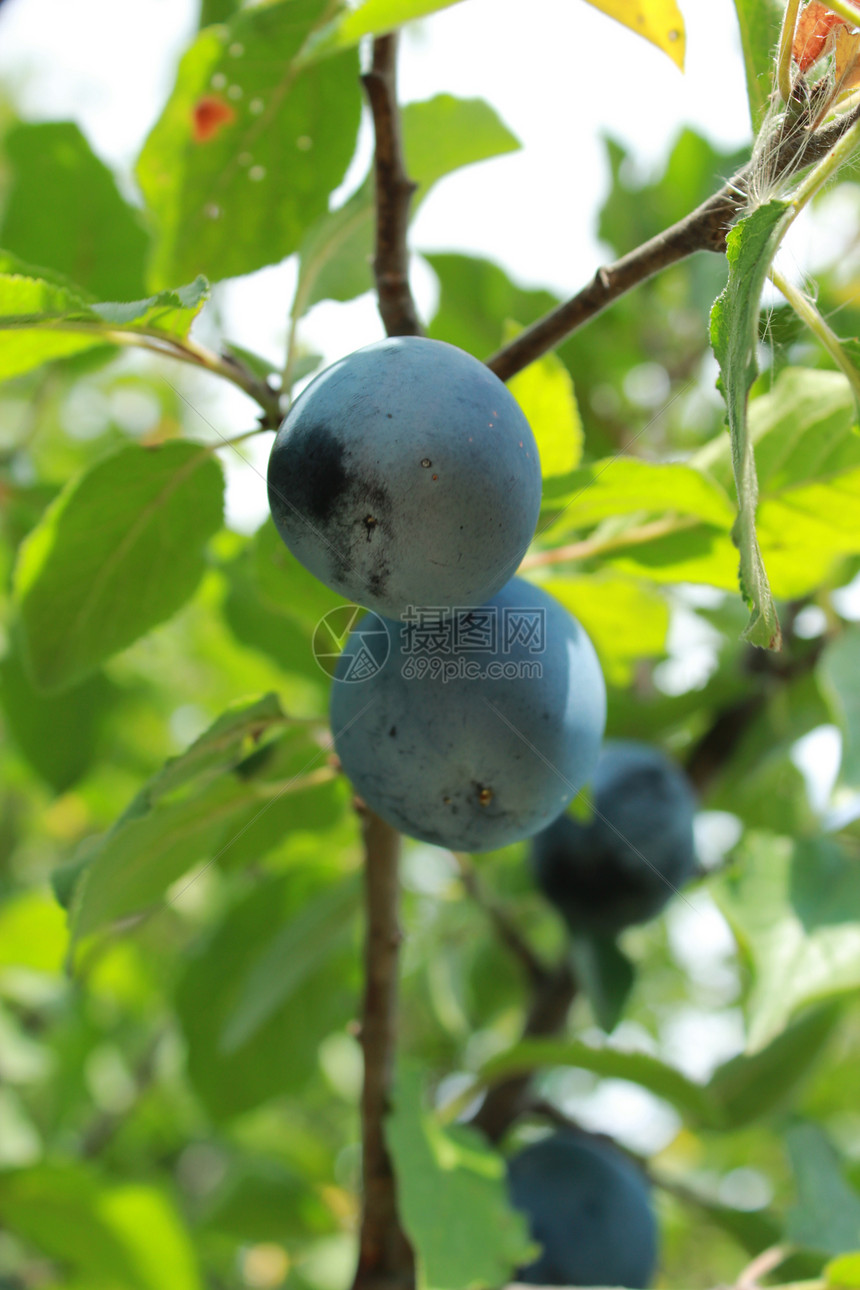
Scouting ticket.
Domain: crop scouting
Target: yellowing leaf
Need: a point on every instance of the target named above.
(544, 391)
(847, 55)
(659, 21)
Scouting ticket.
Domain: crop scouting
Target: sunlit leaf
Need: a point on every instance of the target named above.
(453, 1196)
(659, 21)
(796, 910)
(734, 335)
(41, 320)
(119, 551)
(544, 391)
(759, 22)
(249, 141)
(100, 243)
(111, 1234)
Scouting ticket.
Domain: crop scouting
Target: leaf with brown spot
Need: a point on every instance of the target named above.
(209, 116)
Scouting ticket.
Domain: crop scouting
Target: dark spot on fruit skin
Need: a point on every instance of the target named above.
(393, 732)
(318, 491)
(370, 524)
(484, 794)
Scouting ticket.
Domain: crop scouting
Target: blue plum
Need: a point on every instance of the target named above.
(590, 1208)
(625, 863)
(476, 730)
(406, 474)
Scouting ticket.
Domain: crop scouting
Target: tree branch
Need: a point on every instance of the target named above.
(547, 1014)
(385, 1257)
(394, 192)
(508, 933)
(704, 229)
(719, 743)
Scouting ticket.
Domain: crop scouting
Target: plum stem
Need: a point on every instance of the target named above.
(703, 229)
(385, 1256)
(509, 934)
(394, 191)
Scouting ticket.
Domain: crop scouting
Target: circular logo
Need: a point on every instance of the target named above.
(364, 645)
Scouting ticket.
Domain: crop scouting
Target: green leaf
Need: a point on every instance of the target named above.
(372, 18)
(249, 146)
(42, 320)
(795, 908)
(119, 551)
(284, 964)
(649, 1072)
(805, 528)
(224, 745)
(32, 932)
(136, 861)
(444, 134)
(802, 428)
(827, 1216)
(630, 486)
(759, 23)
(544, 391)
(607, 976)
(100, 242)
(843, 1272)
(212, 11)
(702, 554)
(282, 1056)
(750, 248)
(747, 1088)
(284, 585)
(476, 298)
(111, 1235)
(57, 734)
(453, 1197)
(193, 809)
(808, 460)
(278, 635)
(839, 671)
(30, 309)
(440, 135)
(606, 604)
(261, 1200)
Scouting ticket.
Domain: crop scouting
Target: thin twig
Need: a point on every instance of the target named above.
(704, 229)
(761, 1266)
(509, 934)
(596, 545)
(101, 1130)
(547, 1014)
(385, 1256)
(717, 746)
(394, 192)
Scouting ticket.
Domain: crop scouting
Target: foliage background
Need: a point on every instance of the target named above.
(179, 1080)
